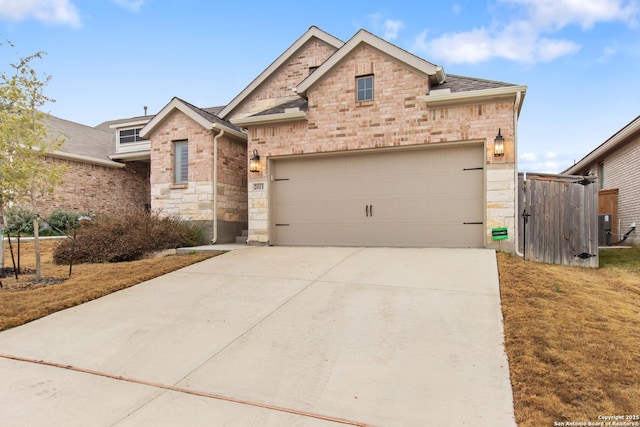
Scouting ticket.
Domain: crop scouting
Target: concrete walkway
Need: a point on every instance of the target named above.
(274, 336)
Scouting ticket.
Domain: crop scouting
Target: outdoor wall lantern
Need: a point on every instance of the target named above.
(254, 162)
(498, 145)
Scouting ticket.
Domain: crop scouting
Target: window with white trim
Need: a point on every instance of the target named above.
(364, 88)
(127, 136)
(181, 162)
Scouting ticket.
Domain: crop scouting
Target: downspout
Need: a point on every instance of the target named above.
(215, 186)
(516, 109)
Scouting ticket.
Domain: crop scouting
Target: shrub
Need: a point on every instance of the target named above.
(125, 237)
(19, 220)
(62, 221)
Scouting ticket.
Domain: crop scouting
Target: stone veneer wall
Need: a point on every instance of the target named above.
(93, 189)
(232, 189)
(193, 201)
(396, 117)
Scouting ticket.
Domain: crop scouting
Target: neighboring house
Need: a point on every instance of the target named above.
(356, 143)
(110, 168)
(616, 163)
(93, 183)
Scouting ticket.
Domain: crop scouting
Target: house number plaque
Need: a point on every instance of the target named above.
(258, 186)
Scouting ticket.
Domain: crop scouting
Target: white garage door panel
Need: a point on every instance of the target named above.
(418, 198)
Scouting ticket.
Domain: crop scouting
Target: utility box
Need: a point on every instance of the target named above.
(604, 230)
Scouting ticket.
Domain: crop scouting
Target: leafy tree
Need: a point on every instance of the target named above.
(24, 172)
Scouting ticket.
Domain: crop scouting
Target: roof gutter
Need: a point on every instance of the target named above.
(215, 186)
(439, 99)
(225, 129)
(85, 159)
(132, 156)
(289, 115)
(516, 115)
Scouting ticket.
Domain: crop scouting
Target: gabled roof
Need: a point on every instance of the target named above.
(110, 125)
(312, 32)
(285, 112)
(618, 139)
(436, 74)
(204, 118)
(82, 143)
(301, 104)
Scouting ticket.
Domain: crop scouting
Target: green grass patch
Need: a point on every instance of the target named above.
(628, 258)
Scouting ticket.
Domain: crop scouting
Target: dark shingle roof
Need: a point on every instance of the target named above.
(214, 110)
(300, 103)
(80, 139)
(465, 84)
(209, 113)
(211, 117)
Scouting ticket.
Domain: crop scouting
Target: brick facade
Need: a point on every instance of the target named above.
(398, 116)
(92, 189)
(615, 163)
(193, 201)
(280, 86)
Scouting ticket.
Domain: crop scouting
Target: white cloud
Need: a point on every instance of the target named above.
(391, 29)
(607, 53)
(543, 163)
(420, 43)
(132, 5)
(560, 13)
(375, 19)
(547, 50)
(480, 45)
(48, 11)
(527, 37)
(472, 47)
(528, 157)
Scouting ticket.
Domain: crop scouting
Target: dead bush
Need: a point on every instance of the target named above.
(125, 237)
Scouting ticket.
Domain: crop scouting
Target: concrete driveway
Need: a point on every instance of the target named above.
(274, 336)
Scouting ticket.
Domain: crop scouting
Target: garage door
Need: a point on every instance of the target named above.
(426, 198)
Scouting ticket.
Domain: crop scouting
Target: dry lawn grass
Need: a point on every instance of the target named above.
(573, 338)
(22, 301)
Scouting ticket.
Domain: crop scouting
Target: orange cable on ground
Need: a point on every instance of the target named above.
(185, 390)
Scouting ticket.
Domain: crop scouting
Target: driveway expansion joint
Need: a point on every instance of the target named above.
(184, 390)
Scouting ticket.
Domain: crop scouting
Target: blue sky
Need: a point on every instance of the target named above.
(580, 59)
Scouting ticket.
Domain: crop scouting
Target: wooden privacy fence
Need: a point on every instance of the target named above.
(558, 219)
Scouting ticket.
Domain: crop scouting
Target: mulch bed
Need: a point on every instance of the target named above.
(8, 273)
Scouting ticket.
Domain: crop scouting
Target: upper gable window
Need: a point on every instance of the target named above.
(364, 88)
(127, 136)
